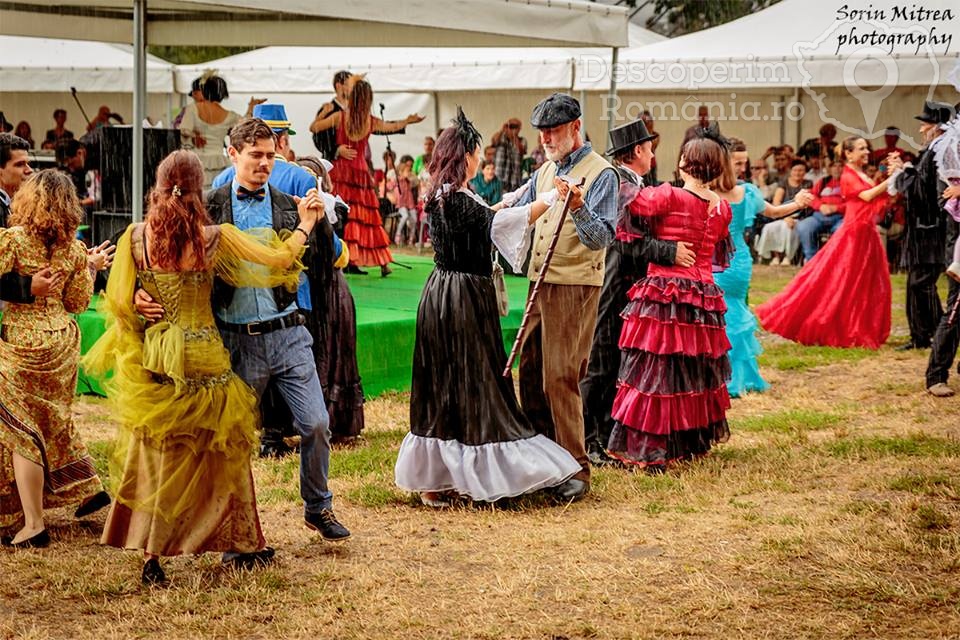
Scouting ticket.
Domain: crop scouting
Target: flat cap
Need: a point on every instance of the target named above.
(556, 110)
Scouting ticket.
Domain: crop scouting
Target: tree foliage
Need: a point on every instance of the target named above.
(195, 55)
(678, 17)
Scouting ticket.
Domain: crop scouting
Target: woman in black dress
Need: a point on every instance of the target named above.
(468, 435)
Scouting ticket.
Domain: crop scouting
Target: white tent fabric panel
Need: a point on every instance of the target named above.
(818, 43)
(43, 64)
(407, 69)
(328, 22)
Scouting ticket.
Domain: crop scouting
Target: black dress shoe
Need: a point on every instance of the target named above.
(327, 525)
(906, 347)
(94, 504)
(274, 449)
(37, 541)
(153, 572)
(598, 457)
(572, 490)
(260, 558)
(355, 270)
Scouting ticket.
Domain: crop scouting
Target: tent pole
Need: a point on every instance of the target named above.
(783, 121)
(612, 96)
(436, 112)
(796, 99)
(139, 103)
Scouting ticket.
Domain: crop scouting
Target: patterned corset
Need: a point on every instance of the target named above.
(184, 347)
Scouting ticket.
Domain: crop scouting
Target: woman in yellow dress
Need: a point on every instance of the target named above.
(187, 423)
(42, 461)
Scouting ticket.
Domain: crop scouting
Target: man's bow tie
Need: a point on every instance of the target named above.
(243, 193)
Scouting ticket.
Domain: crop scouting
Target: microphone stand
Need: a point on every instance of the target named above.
(73, 92)
(399, 188)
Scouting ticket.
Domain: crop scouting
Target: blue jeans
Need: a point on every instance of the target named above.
(286, 356)
(809, 228)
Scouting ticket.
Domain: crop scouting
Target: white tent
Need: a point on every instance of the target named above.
(329, 22)
(777, 75)
(311, 22)
(820, 43)
(47, 65)
(403, 69)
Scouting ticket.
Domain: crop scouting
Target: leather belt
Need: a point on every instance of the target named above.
(294, 319)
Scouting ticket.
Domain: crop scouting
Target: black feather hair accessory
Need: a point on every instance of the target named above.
(468, 133)
(712, 132)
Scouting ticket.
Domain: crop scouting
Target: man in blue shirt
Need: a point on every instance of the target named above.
(263, 328)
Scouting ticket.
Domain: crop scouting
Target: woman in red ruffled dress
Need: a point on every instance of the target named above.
(364, 233)
(672, 395)
(842, 298)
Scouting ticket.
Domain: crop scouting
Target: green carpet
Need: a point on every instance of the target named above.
(386, 324)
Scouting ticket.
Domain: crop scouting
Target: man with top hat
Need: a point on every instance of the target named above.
(929, 239)
(631, 147)
(925, 243)
(556, 343)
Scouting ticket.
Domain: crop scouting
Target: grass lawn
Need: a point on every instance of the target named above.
(832, 512)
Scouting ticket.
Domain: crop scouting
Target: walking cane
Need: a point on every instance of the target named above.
(536, 285)
(953, 314)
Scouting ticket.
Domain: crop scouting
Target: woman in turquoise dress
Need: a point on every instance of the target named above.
(746, 202)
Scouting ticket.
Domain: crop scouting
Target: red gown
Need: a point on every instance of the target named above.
(672, 394)
(363, 232)
(841, 298)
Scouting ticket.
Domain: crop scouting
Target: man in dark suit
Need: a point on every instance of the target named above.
(264, 329)
(631, 147)
(326, 141)
(14, 169)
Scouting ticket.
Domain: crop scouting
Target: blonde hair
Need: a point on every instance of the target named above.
(47, 207)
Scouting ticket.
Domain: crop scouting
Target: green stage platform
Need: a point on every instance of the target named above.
(386, 324)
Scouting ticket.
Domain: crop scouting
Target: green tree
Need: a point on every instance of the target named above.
(678, 17)
(195, 55)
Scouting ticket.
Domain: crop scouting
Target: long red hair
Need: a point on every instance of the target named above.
(176, 214)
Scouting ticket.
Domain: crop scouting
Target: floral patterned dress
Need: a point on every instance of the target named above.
(39, 353)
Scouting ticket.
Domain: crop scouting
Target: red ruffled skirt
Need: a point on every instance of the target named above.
(363, 232)
(672, 395)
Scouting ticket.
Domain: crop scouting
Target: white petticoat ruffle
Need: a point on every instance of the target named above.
(486, 472)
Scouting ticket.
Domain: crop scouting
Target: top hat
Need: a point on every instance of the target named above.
(558, 109)
(629, 135)
(936, 112)
(275, 116)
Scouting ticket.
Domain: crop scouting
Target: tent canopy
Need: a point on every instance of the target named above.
(47, 65)
(478, 23)
(819, 43)
(401, 69)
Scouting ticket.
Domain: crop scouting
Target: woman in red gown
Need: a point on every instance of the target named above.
(363, 232)
(672, 394)
(841, 298)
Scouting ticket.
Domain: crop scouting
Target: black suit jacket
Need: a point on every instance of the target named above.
(647, 248)
(318, 256)
(13, 286)
(926, 220)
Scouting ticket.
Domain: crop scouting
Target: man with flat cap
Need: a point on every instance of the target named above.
(556, 343)
(631, 147)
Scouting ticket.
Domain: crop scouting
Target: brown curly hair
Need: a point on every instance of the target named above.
(46, 206)
(176, 214)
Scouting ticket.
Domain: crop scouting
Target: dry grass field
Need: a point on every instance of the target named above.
(832, 512)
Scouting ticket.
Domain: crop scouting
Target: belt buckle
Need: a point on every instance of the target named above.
(250, 332)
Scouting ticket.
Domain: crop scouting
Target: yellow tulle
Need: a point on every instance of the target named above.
(186, 423)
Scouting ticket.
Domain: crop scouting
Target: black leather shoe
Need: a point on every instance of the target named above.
(38, 541)
(355, 270)
(906, 347)
(572, 490)
(152, 572)
(252, 560)
(327, 525)
(274, 449)
(94, 504)
(598, 457)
